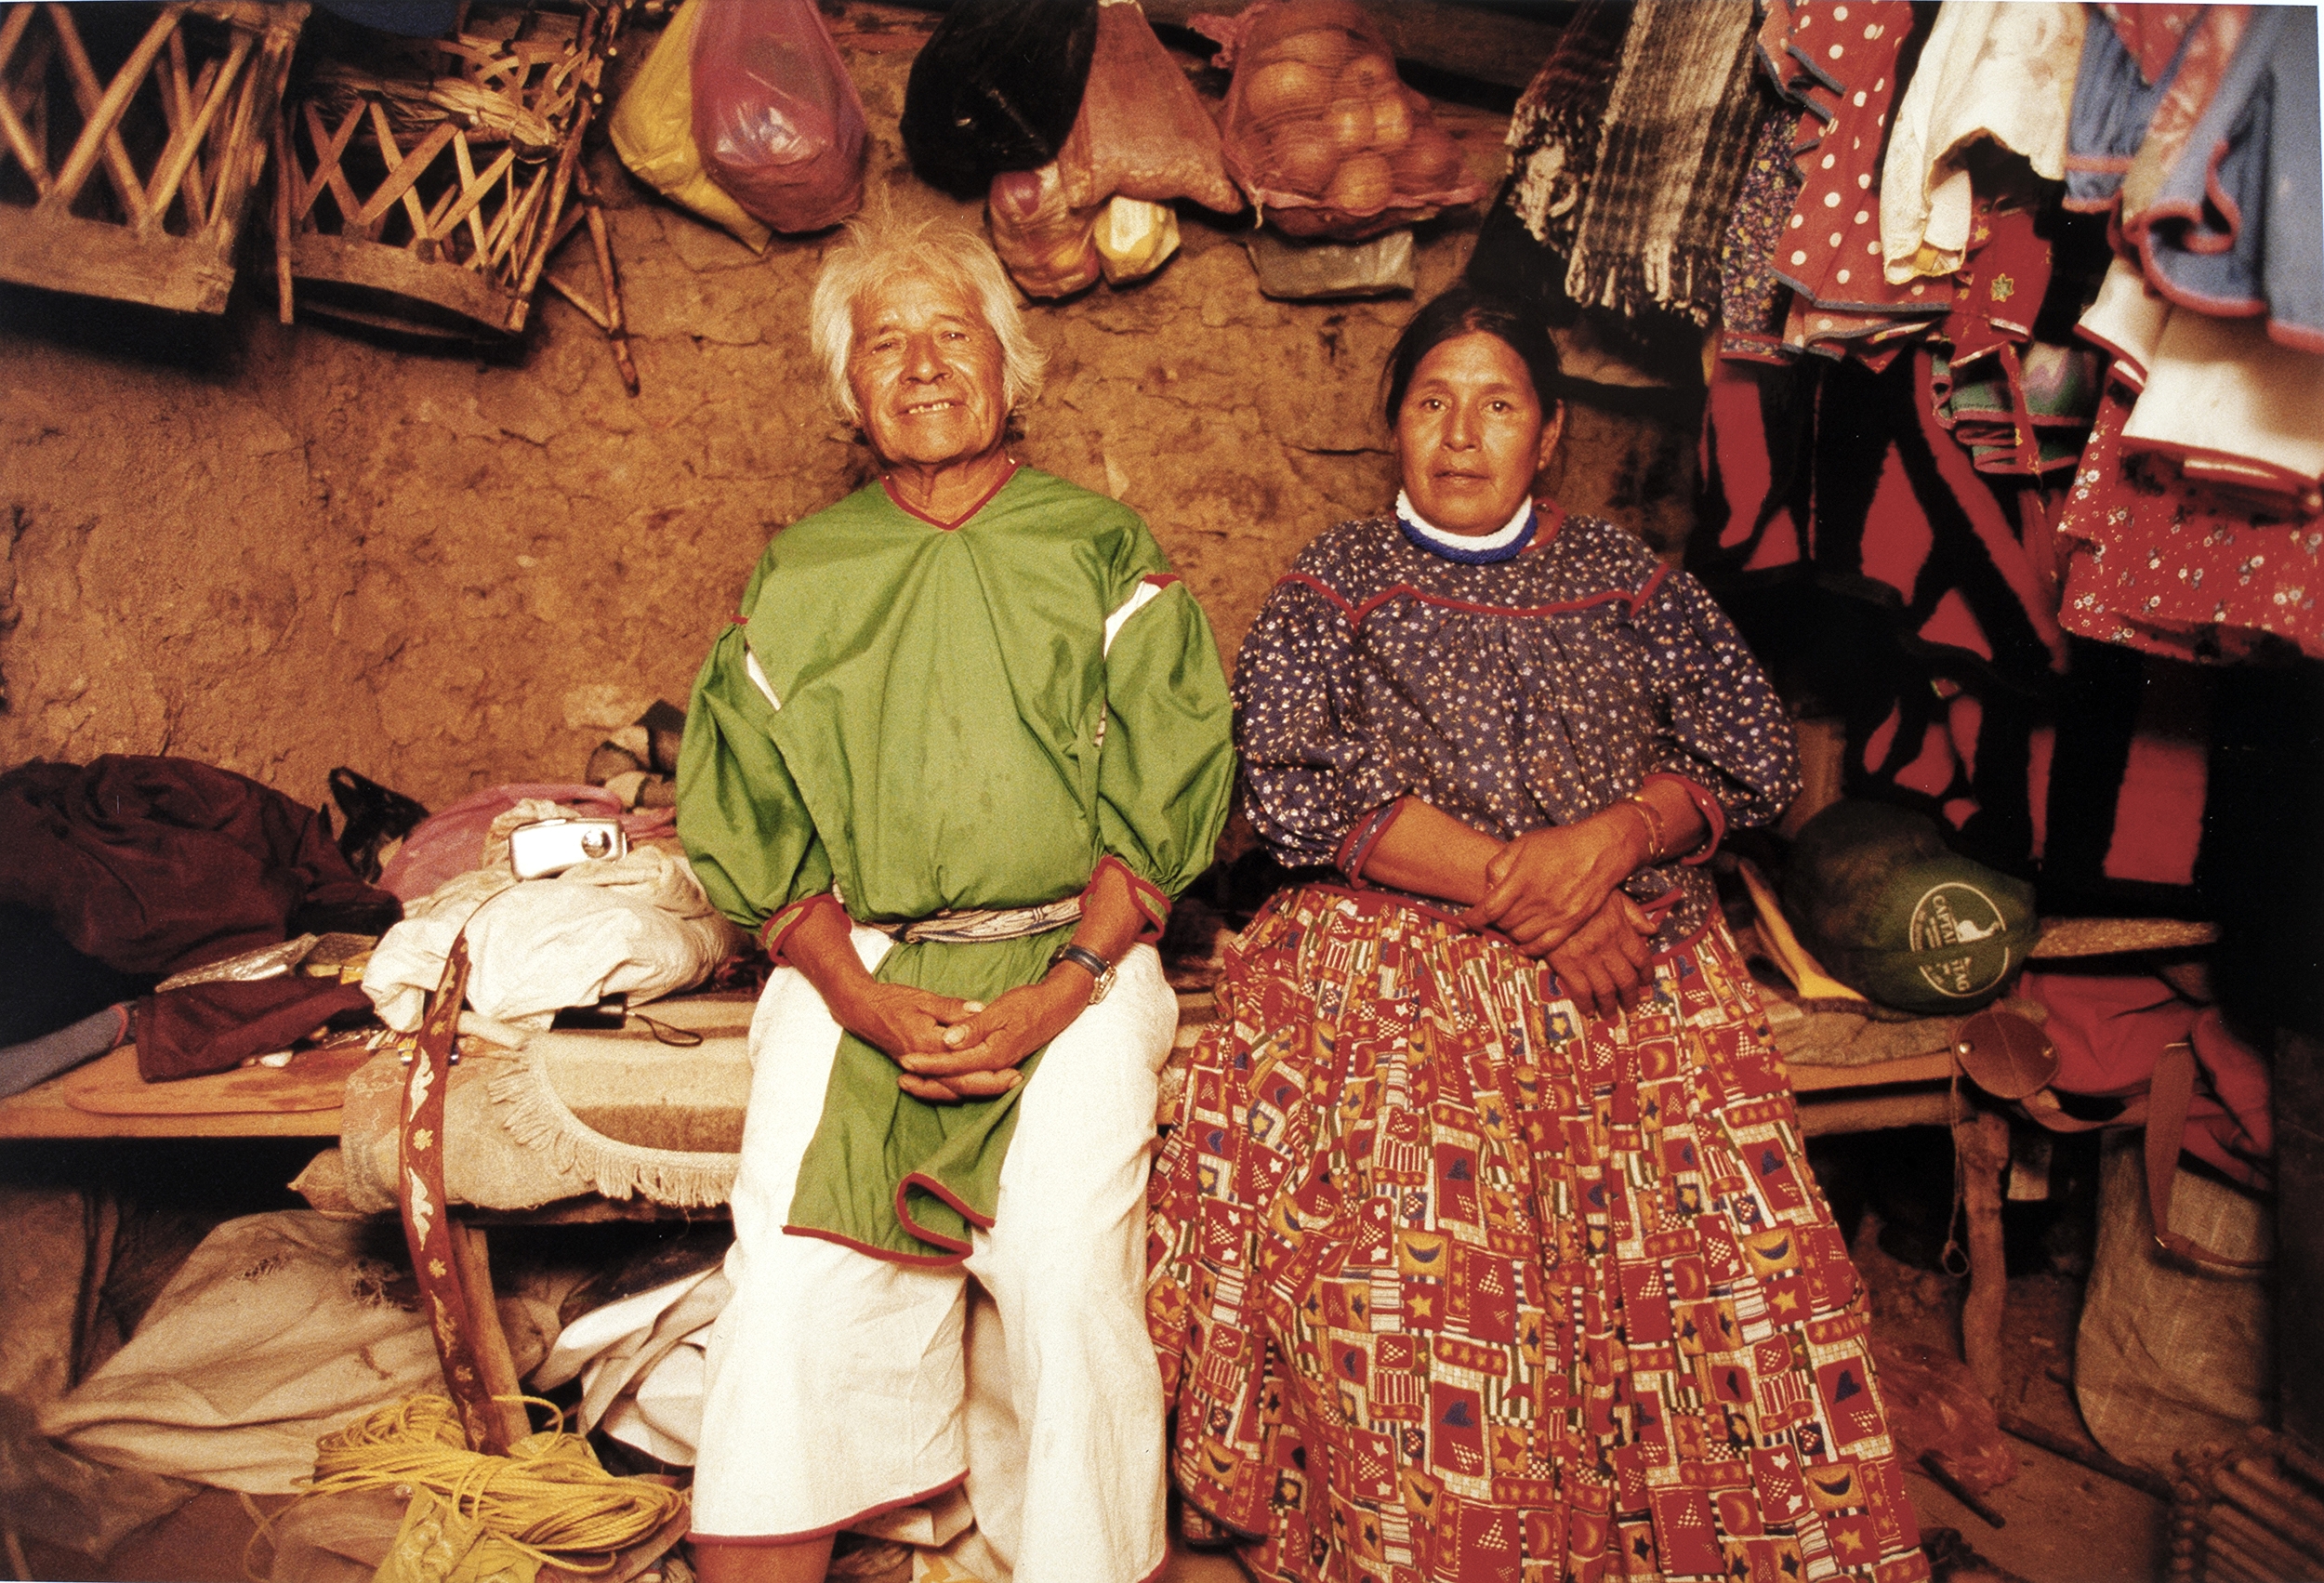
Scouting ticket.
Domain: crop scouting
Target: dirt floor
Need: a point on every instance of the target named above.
(279, 549)
(2062, 1523)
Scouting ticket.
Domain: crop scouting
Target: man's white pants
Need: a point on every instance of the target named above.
(842, 1385)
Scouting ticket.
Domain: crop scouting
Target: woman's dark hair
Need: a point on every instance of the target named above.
(1464, 311)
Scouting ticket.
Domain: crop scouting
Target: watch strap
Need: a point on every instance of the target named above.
(1096, 967)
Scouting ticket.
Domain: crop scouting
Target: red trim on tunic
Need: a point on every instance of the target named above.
(886, 1255)
(936, 1190)
(698, 1537)
(1149, 898)
(938, 522)
(1163, 579)
(777, 929)
(1356, 613)
(1545, 527)
(1355, 848)
(1714, 817)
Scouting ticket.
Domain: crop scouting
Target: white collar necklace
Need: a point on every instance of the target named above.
(1504, 543)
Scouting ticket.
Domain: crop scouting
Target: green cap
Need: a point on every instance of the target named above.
(1891, 911)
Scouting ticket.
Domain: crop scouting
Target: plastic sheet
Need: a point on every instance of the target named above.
(1048, 246)
(996, 89)
(653, 131)
(1318, 129)
(1142, 133)
(1933, 1404)
(776, 117)
(1134, 238)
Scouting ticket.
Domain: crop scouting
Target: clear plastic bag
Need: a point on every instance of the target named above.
(654, 130)
(775, 115)
(1142, 133)
(1048, 246)
(1318, 129)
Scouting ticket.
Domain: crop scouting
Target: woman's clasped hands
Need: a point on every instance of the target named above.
(1556, 892)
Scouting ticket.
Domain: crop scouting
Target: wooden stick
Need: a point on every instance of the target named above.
(182, 147)
(403, 170)
(178, 98)
(20, 144)
(1934, 1464)
(589, 309)
(1981, 1141)
(609, 276)
(12, 33)
(472, 192)
(284, 174)
(329, 148)
(493, 1360)
(2281, 1559)
(2096, 1461)
(103, 134)
(2267, 1497)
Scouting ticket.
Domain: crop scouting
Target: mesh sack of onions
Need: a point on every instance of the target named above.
(1142, 133)
(1320, 132)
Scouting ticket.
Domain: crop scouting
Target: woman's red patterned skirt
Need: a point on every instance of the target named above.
(1449, 1282)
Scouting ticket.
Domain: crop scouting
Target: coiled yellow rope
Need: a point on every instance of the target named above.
(549, 1497)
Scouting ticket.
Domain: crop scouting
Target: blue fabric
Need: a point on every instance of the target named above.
(413, 18)
(37, 1060)
(2240, 225)
(2113, 107)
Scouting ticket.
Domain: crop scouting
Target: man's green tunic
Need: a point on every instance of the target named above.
(942, 719)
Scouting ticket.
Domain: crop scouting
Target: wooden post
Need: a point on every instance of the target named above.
(1981, 1151)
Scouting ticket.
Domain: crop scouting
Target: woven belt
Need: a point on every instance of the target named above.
(977, 926)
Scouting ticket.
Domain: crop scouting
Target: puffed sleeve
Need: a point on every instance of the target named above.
(744, 826)
(1312, 774)
(1719, 725)
(1166, 770)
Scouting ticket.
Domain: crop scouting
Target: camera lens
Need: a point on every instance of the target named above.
(596, 842)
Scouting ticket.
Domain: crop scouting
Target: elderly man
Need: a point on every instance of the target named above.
(966, 738)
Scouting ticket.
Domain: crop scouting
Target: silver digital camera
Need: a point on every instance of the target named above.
(551, 846)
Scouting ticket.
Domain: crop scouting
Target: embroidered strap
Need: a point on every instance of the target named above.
(427, 1228)
(2169, 1094)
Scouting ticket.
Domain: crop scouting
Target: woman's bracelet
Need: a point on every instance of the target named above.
(1654, 824)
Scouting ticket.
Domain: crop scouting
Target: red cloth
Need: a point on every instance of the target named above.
(156, 866)
(2108, 1029)
(214, 1027)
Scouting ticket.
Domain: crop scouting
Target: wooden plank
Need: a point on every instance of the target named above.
(46, 1110)
(1934, 1067)
(1823, 1114)
(352, 261)
(64, 252)
(315, 1080)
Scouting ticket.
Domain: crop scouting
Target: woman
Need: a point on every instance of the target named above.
(966, 738)
(1483, 1246)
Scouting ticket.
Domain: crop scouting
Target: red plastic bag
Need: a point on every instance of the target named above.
(775, 115)
(1048, 246)
(1319, 130)
(1142, 133)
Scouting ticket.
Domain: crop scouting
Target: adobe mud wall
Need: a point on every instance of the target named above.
(279, 549)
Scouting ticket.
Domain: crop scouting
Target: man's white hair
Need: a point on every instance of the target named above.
(877, 249)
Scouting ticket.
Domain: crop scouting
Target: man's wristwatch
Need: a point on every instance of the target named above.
(1090, 962)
